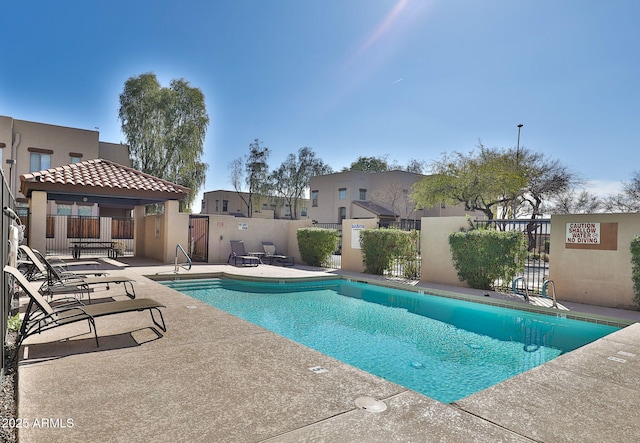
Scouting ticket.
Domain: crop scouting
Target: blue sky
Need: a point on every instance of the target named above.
(398, 78)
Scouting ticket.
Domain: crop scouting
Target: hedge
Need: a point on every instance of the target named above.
(317, 244)
(483, 256)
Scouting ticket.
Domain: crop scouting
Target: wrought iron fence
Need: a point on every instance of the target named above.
(405, 267)
(335, 260)
(6, 220)
(98, 236)
(538, 233)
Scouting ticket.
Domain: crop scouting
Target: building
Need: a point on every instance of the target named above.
(27, 147)
(359, 194)
(233, 203)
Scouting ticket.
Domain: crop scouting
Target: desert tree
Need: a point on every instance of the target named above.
(480, 181)
(291, 180)
(165, 128)
(252, 171)
(629, 199)
(574, 202)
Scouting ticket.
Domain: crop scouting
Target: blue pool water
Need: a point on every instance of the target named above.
(443, 348)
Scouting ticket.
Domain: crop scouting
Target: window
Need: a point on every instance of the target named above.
(342, 213)
(39, 161)
(314, 198)
(217, 206)
(63, 209)
(84, 211)
(287, 210)
(225, 205)
(75, 157)
(363, 194)
(342, 193)
(303, 211)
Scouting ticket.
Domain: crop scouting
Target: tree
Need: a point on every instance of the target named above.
(369, 164)
(629, 199)
(165, 129)
(573, 202)
(415, 166)
(480, 181)
(545, 179)
(394, 196)
(291, 179)
(253, 172)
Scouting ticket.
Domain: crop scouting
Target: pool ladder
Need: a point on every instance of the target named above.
(184, 265)
(177, 267)
(545, 285)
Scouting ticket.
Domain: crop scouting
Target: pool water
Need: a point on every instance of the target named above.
(443, 348)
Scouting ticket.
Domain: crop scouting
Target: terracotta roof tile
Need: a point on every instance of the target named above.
(105, 174)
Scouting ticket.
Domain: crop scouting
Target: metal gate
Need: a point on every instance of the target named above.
(538, 233)
(199, 238)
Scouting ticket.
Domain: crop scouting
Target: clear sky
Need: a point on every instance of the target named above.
(398, 78)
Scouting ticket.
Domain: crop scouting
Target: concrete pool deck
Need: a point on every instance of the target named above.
(215, 378)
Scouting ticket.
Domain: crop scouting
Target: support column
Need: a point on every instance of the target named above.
(176, 231)
(38, 221)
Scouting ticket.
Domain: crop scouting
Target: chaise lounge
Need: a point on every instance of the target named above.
(34, 268)
(41, 316)
(238, 252)
(57, 283)
(273, 257)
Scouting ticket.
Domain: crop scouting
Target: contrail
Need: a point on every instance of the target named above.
(397, 81)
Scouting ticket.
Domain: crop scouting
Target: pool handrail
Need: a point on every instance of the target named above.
(182, 265)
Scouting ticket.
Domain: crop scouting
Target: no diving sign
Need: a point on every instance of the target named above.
(583, 233)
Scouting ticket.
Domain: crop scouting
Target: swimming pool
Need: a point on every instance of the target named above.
(443, 348)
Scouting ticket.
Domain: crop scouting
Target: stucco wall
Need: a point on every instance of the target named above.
(352, 257)
(253, 231)
(593, 276)
(437, 265)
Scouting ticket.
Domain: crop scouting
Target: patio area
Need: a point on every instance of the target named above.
(215, 377)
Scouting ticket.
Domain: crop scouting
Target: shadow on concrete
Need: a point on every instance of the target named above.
(38, 352)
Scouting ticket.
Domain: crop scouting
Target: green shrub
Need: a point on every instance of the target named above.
(635, 268)
(381, 247)
(14, 322)
(483, 256)
(317, 244)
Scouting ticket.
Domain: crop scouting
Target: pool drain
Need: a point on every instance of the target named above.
(371, 404)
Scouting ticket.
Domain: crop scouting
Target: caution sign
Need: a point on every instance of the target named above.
(583, 233)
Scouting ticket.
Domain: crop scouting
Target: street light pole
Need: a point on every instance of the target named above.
(518, 147)
(515, 203)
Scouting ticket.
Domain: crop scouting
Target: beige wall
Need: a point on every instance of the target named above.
(273, 206)
(38, 221)
(253, 231)
(352, 257)
(20, 135)
(598, 277)
(116, 152)
(437, 263)
(390, 189)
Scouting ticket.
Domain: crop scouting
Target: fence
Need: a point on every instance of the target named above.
(538, 234)
(335, 260)
(5, 303)
(63, 231)
(406, 268)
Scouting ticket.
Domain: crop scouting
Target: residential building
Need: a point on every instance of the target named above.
(27, 147)
(233, 203)
(358, 194)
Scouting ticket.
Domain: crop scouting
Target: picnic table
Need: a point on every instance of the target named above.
(84, 245)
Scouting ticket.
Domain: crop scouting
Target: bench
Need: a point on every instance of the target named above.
(109, 246)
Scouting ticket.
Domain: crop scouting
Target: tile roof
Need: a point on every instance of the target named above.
(100, 173)
(374, 208)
